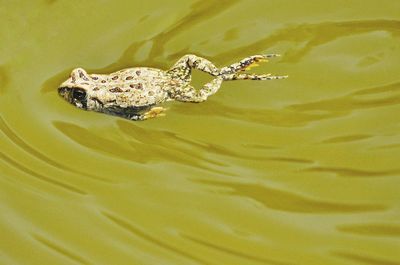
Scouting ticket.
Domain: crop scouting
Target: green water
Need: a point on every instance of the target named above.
(303, 171)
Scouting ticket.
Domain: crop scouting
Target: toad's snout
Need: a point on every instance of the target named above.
(62, 91)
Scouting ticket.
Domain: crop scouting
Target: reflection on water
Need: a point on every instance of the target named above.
(300, 171)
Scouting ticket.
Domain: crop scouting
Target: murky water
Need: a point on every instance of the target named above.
(303, 171)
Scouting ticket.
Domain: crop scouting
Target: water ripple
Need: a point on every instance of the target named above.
(60, 250)
(40, 176)
(373, 229)
(140, 233)
(364, 258)
(200, 11)
(139, 152)
(234, 252)
(90, 140)
(351, 172)
(160, 138)
(291, 202)
(163, 156)
(297, 115)
(313, 35)
(354, 101)
(27, 148)
(188, 147)
(279, 117)
(291, 160)
(4, 79)
(347, 138)
(386, 146)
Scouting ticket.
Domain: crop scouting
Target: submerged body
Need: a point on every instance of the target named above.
(134, 93)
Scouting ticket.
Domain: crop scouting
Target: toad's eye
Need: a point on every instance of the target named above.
(78, 94)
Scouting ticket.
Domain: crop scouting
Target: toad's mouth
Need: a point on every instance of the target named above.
(74, 95)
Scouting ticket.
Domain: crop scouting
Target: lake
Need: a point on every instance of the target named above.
(301, 171)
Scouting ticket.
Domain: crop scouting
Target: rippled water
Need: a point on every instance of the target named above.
(303, 171)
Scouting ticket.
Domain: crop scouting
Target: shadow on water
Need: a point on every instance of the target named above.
(190, 147)
(142, 149)
(143, 145)
(271, 117)
(290, 202)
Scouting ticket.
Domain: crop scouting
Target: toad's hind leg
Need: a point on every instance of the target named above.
(190, 94)
(244, 76)
(182, 69)
(246, 63)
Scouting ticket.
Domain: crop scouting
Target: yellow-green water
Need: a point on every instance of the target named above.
(303, 171)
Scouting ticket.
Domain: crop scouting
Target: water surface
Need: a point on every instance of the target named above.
(302, 171)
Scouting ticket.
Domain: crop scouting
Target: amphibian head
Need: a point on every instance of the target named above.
(126, 93)
(76, 88)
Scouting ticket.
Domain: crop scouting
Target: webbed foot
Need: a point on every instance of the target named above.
(254, 62)
(154, 112)
(247, 63)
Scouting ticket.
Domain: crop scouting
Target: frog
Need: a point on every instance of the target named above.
(137, 93)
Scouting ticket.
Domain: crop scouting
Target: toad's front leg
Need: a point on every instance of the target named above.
(151, 113)
(154, 112)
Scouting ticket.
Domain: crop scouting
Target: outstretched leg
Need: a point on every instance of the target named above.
(246, 63)
(182, 70)
(183, 67)
(190, 94)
